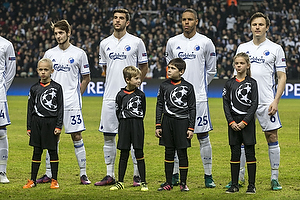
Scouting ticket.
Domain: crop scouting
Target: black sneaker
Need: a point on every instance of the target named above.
(184, 187)
(165, 186)
(232, 189)
(251, 189)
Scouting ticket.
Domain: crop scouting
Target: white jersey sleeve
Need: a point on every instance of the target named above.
(7, 66)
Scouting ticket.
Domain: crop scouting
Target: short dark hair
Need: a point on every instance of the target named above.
(122, 10)
(179, 63)
(62, 24)
(259, 14)
(191, 11)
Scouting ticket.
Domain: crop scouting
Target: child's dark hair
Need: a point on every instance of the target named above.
(131, 71)
(247, 59)
(179, 63)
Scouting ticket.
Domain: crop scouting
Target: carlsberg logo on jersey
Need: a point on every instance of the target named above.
(186, 55)
(257, 60)
(115, 56)
(63, 68)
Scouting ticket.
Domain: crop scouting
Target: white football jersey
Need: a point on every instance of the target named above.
(199, 54)
(266, 59)
(68, 66)
(116, 55)
(7, 67)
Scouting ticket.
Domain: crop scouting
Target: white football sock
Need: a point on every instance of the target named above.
(242, 164)
(48, 166)
(135, 167)
(176, 164)
(3, 149)
(80, 155)
(109, 150)
(206, 154)
(274, 156)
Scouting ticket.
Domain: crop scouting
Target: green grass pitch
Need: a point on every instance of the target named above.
(20, 153)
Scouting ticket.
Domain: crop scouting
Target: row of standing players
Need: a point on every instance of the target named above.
(122, 49)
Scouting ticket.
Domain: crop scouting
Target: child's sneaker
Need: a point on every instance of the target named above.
(117, 186)
(144, 186)
(165, 186)
(209, 182)
(54, 184)
(232, 189)
(251, 189)
(136, 181)
(275, 185)
(184, 187)
(29, 184)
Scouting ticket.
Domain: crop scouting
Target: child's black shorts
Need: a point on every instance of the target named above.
(246, 135)
(131, 131)
(174, 133)
(42, 133)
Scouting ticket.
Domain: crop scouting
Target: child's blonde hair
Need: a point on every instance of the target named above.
(131, 71)
(247, 59)
(46, 60)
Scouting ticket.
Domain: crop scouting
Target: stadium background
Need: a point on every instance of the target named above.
(27, 25)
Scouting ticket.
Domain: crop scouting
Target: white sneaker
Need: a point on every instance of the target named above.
(3, 178)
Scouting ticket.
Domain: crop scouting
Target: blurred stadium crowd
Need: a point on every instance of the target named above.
(26, 23)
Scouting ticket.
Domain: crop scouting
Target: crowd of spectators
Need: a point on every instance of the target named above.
(26, 23)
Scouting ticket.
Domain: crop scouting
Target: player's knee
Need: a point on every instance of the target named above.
(76, 136)
(3, 133)
(109, 140)
(204, 141)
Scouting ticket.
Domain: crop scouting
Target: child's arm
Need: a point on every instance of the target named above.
(192, 108)
(159, 111)
(60, 111)
(30, 105)
(226, 106)
(118, 105)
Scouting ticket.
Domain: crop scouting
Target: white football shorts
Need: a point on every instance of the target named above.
(202, 122)
(4, 117)
(109, 122)
(73, 121)
(267, 122)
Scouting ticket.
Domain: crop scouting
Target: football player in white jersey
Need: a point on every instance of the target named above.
(7, 74)
(267, 58)
(116, 52)
(198, 52)
(70, 63)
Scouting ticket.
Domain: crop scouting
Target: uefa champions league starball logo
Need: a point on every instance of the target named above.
(176, 96)
(243, 94)
(133, 106)
(48, 99)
